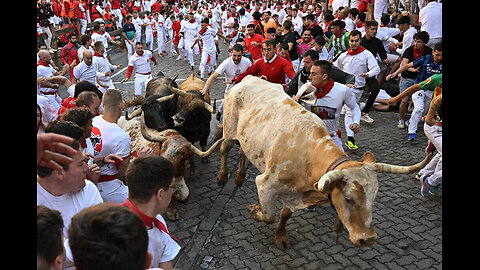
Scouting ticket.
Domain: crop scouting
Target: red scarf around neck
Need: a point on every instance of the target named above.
(41, 63)
(201, 32)
(417, 53)
(339, 33)
(98, 54)
(356, 51)
(324, 89)
(312, 25)
(148, 221)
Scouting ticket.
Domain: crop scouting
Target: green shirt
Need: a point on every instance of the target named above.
(433, 83)
(339, 44)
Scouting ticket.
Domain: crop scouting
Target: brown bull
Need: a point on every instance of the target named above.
(300, 164)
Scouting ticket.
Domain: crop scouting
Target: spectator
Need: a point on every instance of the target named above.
(360, 62)
(109, 139)
(109, 236)
(44, 15)
(50, 251)
(270, 67)
(253, 42)
(151, 183)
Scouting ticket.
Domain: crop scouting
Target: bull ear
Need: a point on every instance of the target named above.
(328, 178)
(368, 157)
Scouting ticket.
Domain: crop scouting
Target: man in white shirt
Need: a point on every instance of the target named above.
(209, 51)
(108, 138)
(138, 23)
(231, 67)
(430, 18)
(280, 11)
(140, 60)
(86, 71)
(148, 22)
(189, 31)
(408, 31)
(103, 66)
(67, 190)
(361, 63)
(161, 34)
(44, 69)
(330, 97)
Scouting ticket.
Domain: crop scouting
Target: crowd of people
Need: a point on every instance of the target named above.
(98, 208)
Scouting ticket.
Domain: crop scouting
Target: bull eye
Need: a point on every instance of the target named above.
(349, 200)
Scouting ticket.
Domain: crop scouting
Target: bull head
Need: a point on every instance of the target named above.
(352, 191)
(156, 136)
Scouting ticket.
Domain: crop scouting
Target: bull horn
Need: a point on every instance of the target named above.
(209, 107)
(388, 168)
(177, 91)
(328, 178)
(165, 98)
(135, 113)
(147, 132)
(207, 153)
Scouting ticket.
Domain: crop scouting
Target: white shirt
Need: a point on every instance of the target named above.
(407, 39)
(228, 22)
(137, 22)
(102, 67)
(81, 50)
(71, 203)
(161, 245)
(430, 18)
(190, 31)
(208, 39)
(82, 72)
(108, 138)
(331, 105)
(101, 37)
(231, 70)
(141, 63)
(43, 71)
(363, 62)
(49, 114)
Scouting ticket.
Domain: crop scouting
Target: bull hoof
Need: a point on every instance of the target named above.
(239, 179)
(281, 241)
(256, 212)
(173, 214)
(180, 198)
(222, 179)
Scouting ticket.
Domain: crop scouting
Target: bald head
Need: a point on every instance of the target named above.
(87, 57)
(44, 56)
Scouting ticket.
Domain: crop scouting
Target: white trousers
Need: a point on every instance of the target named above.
(348, 112)
(130, 49)
(118, 13)
(161, 40)
(113, 191)
(434, 168)
(203, 62)
(421, 103)
(149, 39)
(141, 82)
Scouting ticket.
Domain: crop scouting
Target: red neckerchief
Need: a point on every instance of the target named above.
(361, 24)
(233, 34)
(356, 51)
(98, 54)
(324, 89)
(339, 33)
(418, 53)
(201, 32)
(41, 63)
(100, 33)
(83, 143)
(312, 25)
(148, 221)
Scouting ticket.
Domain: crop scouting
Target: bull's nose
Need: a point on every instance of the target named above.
(366, 241)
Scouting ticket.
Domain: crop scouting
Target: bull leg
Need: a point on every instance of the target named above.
(281, 239)
(223, 173)
(241, 172)
(265, 211)
(172, 211)
(181, 193)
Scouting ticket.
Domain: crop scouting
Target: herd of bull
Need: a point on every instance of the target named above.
(300, 164)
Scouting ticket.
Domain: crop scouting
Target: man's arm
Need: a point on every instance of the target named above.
(211, 79)
(432, 111)
(410, 90)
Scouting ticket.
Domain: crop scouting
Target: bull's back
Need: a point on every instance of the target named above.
(271, 127)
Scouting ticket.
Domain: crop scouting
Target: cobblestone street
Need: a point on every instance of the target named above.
(216, 231)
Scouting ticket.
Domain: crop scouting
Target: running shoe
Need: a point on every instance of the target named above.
(418, 176)
(426, 187)
(401, 124)
(351, 145)
(434, 191)
(412, 137)
(179, 57)
(367, 118)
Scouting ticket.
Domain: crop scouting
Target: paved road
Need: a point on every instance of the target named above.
(216, 230)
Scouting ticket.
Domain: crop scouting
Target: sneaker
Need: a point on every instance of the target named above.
(362, 105)
(412, 137)
(419, 176)
(367, 118)
(351, 145)
(192, 68)
(179, 57)
(401, 124)
(426, 187)
(434, 191)
(407, 123)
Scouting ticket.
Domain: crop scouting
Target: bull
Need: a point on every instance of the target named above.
(170, 145)
(299, 162)
(184, 111)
